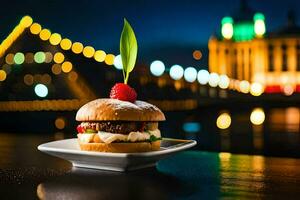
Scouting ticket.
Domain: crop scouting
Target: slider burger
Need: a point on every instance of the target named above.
(112, 125)
(120, 123)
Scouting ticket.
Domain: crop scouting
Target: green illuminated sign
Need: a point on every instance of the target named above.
(258, 16)
(243, 31)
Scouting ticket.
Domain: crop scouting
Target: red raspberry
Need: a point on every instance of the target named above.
(123, 92)
(80, 129)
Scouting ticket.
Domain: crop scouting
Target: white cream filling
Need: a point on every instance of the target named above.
(107, 137)
(85, 137)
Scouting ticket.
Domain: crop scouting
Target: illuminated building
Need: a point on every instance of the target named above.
(245, 51)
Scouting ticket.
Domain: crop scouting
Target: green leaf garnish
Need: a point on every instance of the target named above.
(153, 138)
(128, 50)
(89, 130)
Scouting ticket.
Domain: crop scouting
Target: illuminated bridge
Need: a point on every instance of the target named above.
(41, 71)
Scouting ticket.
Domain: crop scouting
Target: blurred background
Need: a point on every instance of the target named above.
(226, 73)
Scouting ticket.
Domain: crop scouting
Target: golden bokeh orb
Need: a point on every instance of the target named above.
(256, 89)
(45, 34)
(55, 39)
(26, 21)
(58, 57)
(35, 28)
(99, 56)
(66, 67)
(257, 116)
(223, 121)
(65, 44)
(109, 59)
(2, 75)
(88, 51)
(77, 47)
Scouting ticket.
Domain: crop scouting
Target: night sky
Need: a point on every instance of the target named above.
(158, 24)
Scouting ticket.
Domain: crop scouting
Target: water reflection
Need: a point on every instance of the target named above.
(250, 130)
(242, 175)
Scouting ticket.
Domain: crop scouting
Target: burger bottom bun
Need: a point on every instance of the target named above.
(128, 147)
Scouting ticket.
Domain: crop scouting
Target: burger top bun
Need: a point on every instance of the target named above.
(116, 110)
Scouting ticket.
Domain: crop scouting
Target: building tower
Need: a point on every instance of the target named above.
(244, 51)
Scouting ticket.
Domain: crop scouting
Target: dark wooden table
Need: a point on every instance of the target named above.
(26, 173)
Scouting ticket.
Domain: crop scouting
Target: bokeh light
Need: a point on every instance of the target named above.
(56, 69)
(60, 123)
(203, 76)
(157, 68)
(2, 75)
(99, 56)
(48, 57)
(256, 89)
(118, 62)
(109, 59)
(9, 59)
(213, 79)
(176, 72)
(29, 57)
(45, 34)
(88, 51)
(72, 76)
(197, 55)
(66, 67)
(65, 44)
(244, 86)
(259, 24)
(224, 81)
(190, 74)
(288, 89)
(191, 127)
(46, 79)
(227, 27)
(257, 116)
(37, 78)
(223, 121)
(19, 58)
(55, 39)
(35, 28)
(77, 47)
(41, 90)
(28, 79)
(26, 21)
(39, 57)
(58, 57)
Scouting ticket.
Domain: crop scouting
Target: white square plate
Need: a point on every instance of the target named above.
(69, 150)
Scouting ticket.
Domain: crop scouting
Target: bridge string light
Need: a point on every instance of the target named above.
(157, 68)
(176, 72)
(54, 39)
(190, 74)
(118, 62)
(66, 44)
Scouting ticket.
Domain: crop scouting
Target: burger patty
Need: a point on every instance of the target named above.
(121, 127)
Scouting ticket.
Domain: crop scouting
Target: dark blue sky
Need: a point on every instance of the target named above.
(156, 23)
